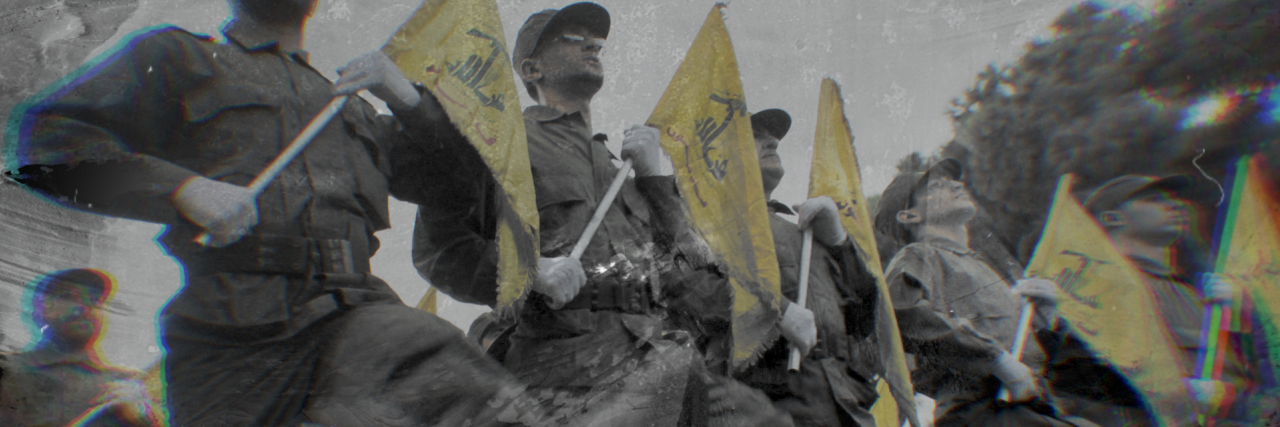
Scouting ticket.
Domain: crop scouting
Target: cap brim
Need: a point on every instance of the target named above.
(590, 15)
(946, 167)
(1174, 183)
(949, 167)
(774, 121)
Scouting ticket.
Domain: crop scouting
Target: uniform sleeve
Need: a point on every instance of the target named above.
(418, 135)
(927, 329)
(667, 210)
(97, 140)
(695, 294)
(857, 287)
(455, 246)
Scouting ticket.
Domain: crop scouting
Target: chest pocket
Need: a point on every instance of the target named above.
(361, 122)
(989, 298)
(208, 102)
(635, 204)
(562, 200)
(227, 122)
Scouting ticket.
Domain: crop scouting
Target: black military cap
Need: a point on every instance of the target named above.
(773, 121)
(93, 282)
(900, 195)
(1116, 191)
(542, 25)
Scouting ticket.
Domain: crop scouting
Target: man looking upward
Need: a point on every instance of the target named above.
(1146, 219)
(957, 316)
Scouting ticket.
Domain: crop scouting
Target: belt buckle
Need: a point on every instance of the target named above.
(336, 256)
(636, 297)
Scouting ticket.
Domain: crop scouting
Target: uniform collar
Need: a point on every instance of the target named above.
(254, 41)
(945, 243)
(1157, 269)
(779, 208)
(543, 113)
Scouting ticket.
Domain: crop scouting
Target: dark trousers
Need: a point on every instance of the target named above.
(385, 365)
(972, 402)
(813, 399)
(1103, 413)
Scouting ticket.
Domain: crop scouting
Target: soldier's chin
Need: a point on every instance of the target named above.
(589, 80)
(581, 84)
(278, 11)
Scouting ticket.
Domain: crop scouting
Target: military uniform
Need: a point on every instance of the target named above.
(1087, 386)
(1182, 307)
(576, 358)
(289, 317)
(832, 386)
(957, 315)
(606, 346)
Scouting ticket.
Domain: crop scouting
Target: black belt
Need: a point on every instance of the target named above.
(630, 296)
(268, 254)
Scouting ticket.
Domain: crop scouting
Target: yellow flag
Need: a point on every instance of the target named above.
(835, 174)
(1105, 300)
(885, 410)
(705, 129)
(457, 49)
(428, 303)
(1250, 248)
(153, 379)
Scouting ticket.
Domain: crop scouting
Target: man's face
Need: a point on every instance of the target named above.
(571, 60)
(770, 164)
(945, 201)
(278, 11)
(71, 314)
(1154, 214)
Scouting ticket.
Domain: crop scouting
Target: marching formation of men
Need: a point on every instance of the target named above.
(282, 323)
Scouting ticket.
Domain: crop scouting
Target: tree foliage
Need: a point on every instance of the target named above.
(1185, 89)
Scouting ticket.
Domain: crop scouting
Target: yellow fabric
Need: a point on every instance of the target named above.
(835, 174)
(1104, 298)
(705, 128)
(457, 50)
(153, 379)
(428, 303)
(885, 410)
(1250, 255)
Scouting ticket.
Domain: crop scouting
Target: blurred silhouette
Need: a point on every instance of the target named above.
(63, 378)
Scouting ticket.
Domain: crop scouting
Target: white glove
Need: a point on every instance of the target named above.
(798, 327)
(640, 144)
(1217, 289)
(127, 399)
(821, 214)
(377, 73)
(1044, 294)
(559, 278)
(226, 211)
(1203, 391)
(1016, 377)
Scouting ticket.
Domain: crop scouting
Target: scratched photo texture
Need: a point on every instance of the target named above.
(1019, 91)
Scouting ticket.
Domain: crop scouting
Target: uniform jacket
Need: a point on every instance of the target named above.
(956, 315)
(1247, 351)
(456, 249)
(696, 297)
(127, 130)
